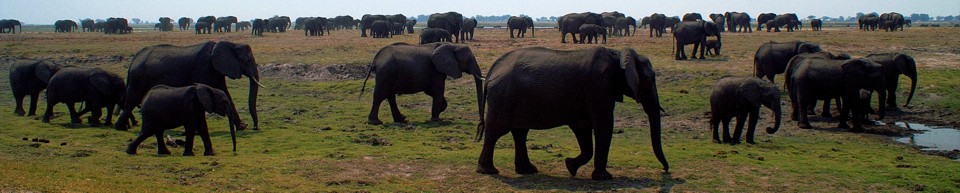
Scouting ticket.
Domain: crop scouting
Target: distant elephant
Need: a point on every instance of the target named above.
(894, 65)
(742, 97)
(907, 22)
(644, 22)
(410, 24)
(94, 87)
(763, 18)
(165, 108)
(116, 26)
(208, 22)
(816, 24)
(87, 25)
(571, 22)
(891, 21)
(589, 33)
(658, 24)
(206, 63)
(795, 63)
(224, 24)
(243, 25)
(184, 23)
(313, 26)
(692, 17)
(10, 24)
(430, 35)
(797, 25)
(407, 69)
(202, 27)
(672, 23)
(397, 21)
(623, 24)
(29, 77)
(851, 80)
(868, 22)
(784, 20)
(469, 25)
(450, 21)
(772, 57)
(366, 22)
(257, 27)
(738, 22)
(380, 29)
(278, 24)
(64, 26)
(165, 24)
(298, 23)
(720, 20)
(539, 88)
(696, 33)
(520, 23)
(713, 46)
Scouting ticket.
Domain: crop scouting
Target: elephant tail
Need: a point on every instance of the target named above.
(482, 101)
(364, 87)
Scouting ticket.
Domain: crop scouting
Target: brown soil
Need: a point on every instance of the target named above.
(314, 72)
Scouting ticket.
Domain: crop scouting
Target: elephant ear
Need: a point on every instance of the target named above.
(445, 60)
(205, 96)
(628, 62)
(225, 59)
(100, 80)
(804, 47)
(44, 71)
(750, 91)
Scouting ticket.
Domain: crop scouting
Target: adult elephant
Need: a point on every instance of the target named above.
(894, 65)
(430, 35)
(167, 107)
(116, 26)
(672, 23)
(469, 25)
(367, 21)
(184, 23)
(784, 20)
(891, 21)
(795, 63)
(410, 24)
(851, 80)
(816, 24)
(380, 29)
(450, 21)
(94, 87)
(314, 26)
(623, 24)
(166, 24)
(584, 87)
(243, 25)
(738, 22)
(206, 63)
(571, 22)
(395, 19)
(202, 27)
(10, 24)
(208, 22)
(610, 19)
(225, 23)
(257, 26)
(407, 69)
(658, 24)
(644, 22)
(692, 17)
(772, 57)
(29, 77)
(763, 18)
(742, 97)
(868, 22)
(720, 20)
(696, 33)
(589, 33)
(278, 24)
(520, 23)
(64, 26)
(87, 25)
(298, 23)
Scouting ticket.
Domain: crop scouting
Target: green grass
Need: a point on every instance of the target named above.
(314, 135)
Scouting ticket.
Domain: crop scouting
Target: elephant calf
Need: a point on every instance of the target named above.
(713, 47)
(431, 35)
(166, 107)
(742, 97)
(29, 77)
(94, 87)
(589, 33)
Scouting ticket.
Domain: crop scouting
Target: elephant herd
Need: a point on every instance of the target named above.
(887, 21)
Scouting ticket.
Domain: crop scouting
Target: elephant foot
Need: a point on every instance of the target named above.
(45, 119)
(750, 141)
(701, 57)
(374, 121)
(93, 122)
(188, 153)
(401, 119)
(209, 153)
(19, 112)
(487, 170)
(805, 126)
(572, 166)
(858, 130)
(75, 120)
(843, 125)
(131, 151)
(435, 119)
(121, 126)
(526, 168)
(734, 142)
(601, 175)
(717, 140)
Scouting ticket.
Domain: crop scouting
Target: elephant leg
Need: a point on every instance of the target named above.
(602, 135)
(521, 157)
(439, 105)
(738, 130)
(845, 112)
(511, 33)
(752, 125)
(715, 126)
(726, 129)
(161, 143)
(395, 111)
(891, 93)
(19, 109)
(190, 130)
(378, 98)
(677, 52)
(144, 134)
(33, 104)
(129, 102)
(95, 113)
(493, 130)
(74, 116)
(803, 103)
(48, 113)
(825, 111)
(109, 120)
(585, 140)
(204, 133)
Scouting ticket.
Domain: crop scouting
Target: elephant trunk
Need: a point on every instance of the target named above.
(913, 86)
(778, 114)
(653, 109)
(478, 79)
(252, 98)
(533, 30)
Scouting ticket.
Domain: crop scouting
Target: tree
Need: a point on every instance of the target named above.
(859, 14)
(841, 19)
(811, 17)
(135, 20)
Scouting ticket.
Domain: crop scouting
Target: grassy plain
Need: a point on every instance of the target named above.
(313, 135)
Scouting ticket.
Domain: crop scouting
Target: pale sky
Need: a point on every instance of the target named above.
(48, 11)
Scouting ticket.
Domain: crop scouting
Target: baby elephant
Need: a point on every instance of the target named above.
(591, 32)
(431, 35)
(94, 87)
(741, 97)
(166, 107)
(714, 46)
(29, 77)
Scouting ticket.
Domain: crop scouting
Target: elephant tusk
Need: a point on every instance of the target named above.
(258, 83)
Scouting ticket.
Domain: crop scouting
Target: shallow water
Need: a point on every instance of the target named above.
(931, 138)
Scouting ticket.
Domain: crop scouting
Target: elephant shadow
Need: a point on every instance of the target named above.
(540, 182)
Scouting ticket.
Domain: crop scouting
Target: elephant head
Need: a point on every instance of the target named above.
(896, 64)
(528, 22)
(712, 29)
(642, 87)
(44, 70)
(216, 101)
(864, 74)
(766, 94)
(452, 60)
(806, 47)
(233, 60)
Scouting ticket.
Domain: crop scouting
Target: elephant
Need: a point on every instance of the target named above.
(772, 57)
(116, 26)
(520, 23)
(410, 24)
(907, 22)
(407, 69)
(797, 25)
(343, 22)
(257, 26)
(430, 35)
(243, 25)
(208, 22)
(314, 26)
(672, 23)
(891, 21)
(224, 24)
(658, 24)
(450, 21)
(184, 23)
(816, 24)
(165, 108)
(206, 63)
(720, 20)
(577, 88)
(763, 18)
(742, 97)
(589, 33)
(714, 46)
(163, 27)
(10, 24)
(622, 24)
(696, 33)
(894, 65)
(366, 22)
(87, 25)
(278, 24)
(95, 87)
(792, 66)
(298, 23)
(571, 22)
(29, 77)
(469, 25)
(692, 17)
(784, 20)
(738, 22)
(851, 80)
(397, 19)
(166, 24)
(202, 27)
(62, 26)
(100, 25)
(609, 20)
(644, 22)
(380, 29)
(868, 22)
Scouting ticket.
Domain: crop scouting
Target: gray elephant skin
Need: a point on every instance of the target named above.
(772, 57)
(407, 69)
(720, 20)
(816, 24)
(450, 21)
(65, 26)
(589, 33)
(87, 25)
(586, 83)
(206, 63)
(738, 22)
(657, 24)
(29, 77)
(851, 80)
(366, 22)
(894, 65)
(257, 27)
(184, 23)
(202, 27)
(94, 87)
(742, 97)
(520, 23)
(795, 62)
(410, 24)
(165, 108)
(696, 33)
(430, 35)
(622, 26)
(11, 25)
(570, 23)
(692, 17)
(380, 29)
(469, 26)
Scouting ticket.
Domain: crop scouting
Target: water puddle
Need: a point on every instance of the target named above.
(939, 140)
